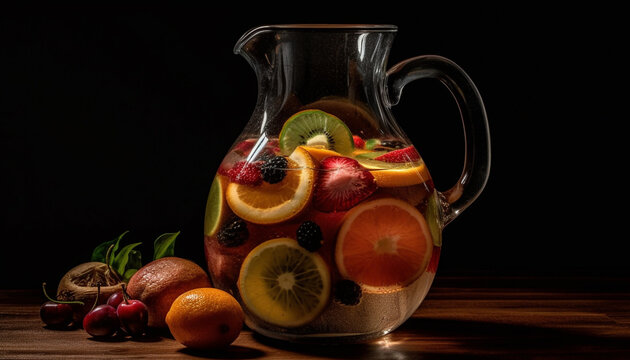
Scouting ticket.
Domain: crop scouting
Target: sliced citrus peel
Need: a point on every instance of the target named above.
(284, 284)
(274, 203)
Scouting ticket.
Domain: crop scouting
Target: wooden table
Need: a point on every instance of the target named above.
(462, 318)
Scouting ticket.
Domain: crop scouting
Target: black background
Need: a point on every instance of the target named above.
(116, 118)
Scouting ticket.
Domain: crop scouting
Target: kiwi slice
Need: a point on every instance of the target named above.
(318, 129)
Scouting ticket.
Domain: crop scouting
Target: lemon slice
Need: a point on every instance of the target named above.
(396, 174)
(274, 203)
(284, 284)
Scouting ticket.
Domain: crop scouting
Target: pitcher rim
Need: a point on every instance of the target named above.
(248, 35)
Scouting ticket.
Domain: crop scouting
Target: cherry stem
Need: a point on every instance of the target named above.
(60, 301)
(109, 268)
(125, 295)
(109, 251)
(98, 294)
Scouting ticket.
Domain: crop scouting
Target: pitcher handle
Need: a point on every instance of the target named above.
(475, 123)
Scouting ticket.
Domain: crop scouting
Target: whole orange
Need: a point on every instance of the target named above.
(205, 318)
(158, 283)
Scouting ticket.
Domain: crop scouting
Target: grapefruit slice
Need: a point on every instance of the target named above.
(383, 245)
(274, 203)
(283, 283)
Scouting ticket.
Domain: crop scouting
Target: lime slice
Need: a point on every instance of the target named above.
(434, 218)
(284, 284)
(315, 128)
(215, 205)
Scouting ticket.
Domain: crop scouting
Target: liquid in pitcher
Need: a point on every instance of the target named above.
(320, 231)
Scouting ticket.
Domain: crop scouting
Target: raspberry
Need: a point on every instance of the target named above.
(233, 233)
(245, 173)
(309, 236)
(274, 169)
(347, 292)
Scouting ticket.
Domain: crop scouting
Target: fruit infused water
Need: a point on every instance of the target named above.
(319, 232)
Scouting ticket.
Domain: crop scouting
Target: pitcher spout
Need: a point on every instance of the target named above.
(248, 36)
(298, 65)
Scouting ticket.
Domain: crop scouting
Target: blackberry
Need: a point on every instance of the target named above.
(274, 169)
(233, 233)
(347, 292)
(309, 236)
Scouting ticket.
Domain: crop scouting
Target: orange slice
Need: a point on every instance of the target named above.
(383, 245)
(396, 174)
(319, 153)
(274, 203)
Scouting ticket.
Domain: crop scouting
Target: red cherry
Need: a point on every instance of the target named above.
(115, 299)
(55, 314)
(133, 316)
(102, 321)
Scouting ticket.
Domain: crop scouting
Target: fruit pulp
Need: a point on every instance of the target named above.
(315, 243)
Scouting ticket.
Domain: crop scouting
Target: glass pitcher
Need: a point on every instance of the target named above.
(323, 220)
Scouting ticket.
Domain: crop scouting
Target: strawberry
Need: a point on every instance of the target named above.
(342, 183)
(408, 154)
(245, 173)
(358, 142)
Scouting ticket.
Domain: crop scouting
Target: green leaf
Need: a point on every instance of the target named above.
(100, 252)
(128, 274)
(134, 261)
(122, 258)
(164, 245)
